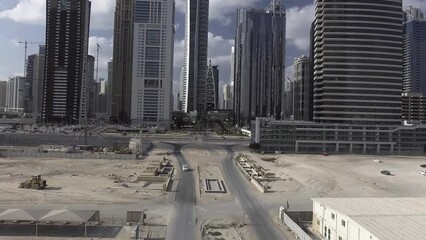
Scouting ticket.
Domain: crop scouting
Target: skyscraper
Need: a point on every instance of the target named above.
(358, 62)
(3, 91)
(91, 90)
(28, 100)
(302, 89)
(108, 94)
(152, 71)
(36, 77)
(15, 93)
(227, 97)
(67, 38)
(212, 87)
(414, 70)
(260, 63)
(195, 68)
(121, 87)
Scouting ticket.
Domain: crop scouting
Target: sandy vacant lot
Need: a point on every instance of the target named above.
(73, 181)
(307, 176)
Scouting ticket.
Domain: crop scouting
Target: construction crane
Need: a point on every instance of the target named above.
(26, 50)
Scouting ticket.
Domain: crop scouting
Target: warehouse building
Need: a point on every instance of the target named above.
(369, 218)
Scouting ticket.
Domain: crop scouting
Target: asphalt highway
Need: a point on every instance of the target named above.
(183, 225)
(262, 224)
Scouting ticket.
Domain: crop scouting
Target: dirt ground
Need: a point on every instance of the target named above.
(73, 181)
(231, 228)
(308, 176)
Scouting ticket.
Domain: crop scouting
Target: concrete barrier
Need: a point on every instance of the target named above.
(258, 185)
(147, 178)
(252, 180)
(30, 154)
(169, 180)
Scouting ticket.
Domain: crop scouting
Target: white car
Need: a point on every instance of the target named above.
(423, 173)
(185, 168)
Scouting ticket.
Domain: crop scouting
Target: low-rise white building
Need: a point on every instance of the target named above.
(369, 218)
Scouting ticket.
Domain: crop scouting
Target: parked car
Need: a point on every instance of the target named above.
(423, 173)
(385, 172)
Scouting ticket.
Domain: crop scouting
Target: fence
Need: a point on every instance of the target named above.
(294, 225)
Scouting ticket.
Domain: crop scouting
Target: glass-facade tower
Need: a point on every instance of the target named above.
(195, 67)
(259, 64)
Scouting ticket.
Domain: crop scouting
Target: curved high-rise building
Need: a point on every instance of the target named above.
(358, 61)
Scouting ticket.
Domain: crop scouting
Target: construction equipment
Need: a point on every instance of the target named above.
(36, 182)
(25, 53)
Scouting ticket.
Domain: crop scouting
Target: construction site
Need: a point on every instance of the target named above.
(153, 198)
(34, 186)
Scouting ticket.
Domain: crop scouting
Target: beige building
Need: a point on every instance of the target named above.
(369, 218)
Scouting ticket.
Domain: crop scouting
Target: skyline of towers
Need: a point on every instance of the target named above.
(67, 39)
(358, 62)
(152, 70)
(195, 65)
(259, 71)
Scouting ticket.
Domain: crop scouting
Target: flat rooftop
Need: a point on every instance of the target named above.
(385, 218)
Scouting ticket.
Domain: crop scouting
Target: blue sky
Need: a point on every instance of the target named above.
(22, 20)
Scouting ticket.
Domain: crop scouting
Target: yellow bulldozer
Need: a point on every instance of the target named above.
(36, 182)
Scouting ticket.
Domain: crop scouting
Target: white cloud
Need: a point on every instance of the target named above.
(299, 20)
(104, 54)
(102, 17)
(289, 72)
(220, 10)
(15, 42)
(179, 58)
(26, 11)
(34, 12)
(415, 3)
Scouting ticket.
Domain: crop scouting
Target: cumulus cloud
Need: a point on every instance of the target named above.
(220, 10)
(104, 54)
(415, 3)
(26, 11)
(299, 20)
(34, 12)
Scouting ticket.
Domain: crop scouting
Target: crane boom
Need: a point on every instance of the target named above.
(25, 53)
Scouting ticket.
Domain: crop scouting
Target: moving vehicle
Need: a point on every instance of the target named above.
(423, 173)
(36, 182)
(185, 167)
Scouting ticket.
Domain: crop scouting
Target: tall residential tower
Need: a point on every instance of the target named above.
(152, 70)
(358, 62)
(195, 68)
(302, 89)
(67, 39)
(414, 71)
(121, 85)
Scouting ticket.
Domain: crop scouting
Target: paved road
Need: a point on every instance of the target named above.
(263, 226)
(182, 225)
